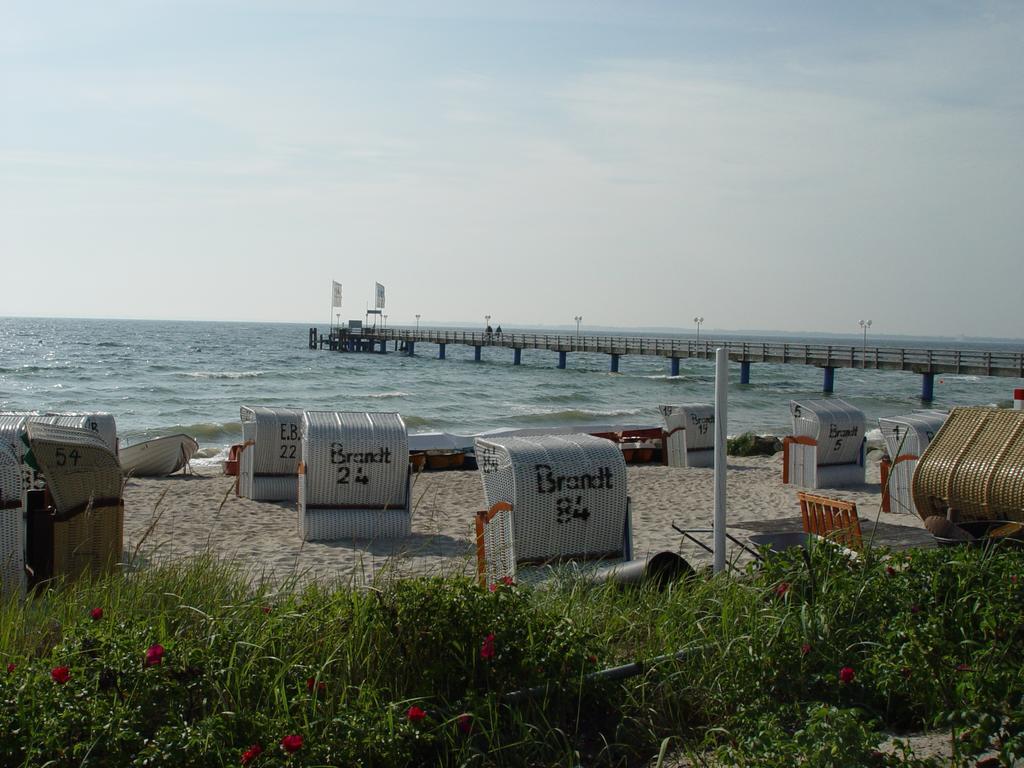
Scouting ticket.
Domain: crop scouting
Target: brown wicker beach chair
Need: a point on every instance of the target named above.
(83, 477)
(832, 519)
(974, 467)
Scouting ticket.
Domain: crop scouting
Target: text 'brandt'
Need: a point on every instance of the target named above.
(340, 456)
(549, 482)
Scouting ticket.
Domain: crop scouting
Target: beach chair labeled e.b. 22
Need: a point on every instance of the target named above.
(271, 451)
(551, 499)
(354, 476)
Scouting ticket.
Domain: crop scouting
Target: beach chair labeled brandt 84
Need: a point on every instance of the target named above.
(689, 436)
(12, 524)
(271, 451)
(973, 469)
(826, 449)
(83, 477)
(906, 437)
(551, 499)
(354, 476)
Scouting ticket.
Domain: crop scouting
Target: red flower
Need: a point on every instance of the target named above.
(1013, 579)
(465, 723)
(154, 655)
(291, 743)
(592, 658)
(265, 609)
(60, 674)
(906, 672)
(311, 683)
(846, 675)
(251, 754)
(415, 714)
(805, 649)
(915, 608)
(504, 581)
(10, 668)
(890, 571)
(963, 667)
(782, 589)
(96, 613)
(487, 648)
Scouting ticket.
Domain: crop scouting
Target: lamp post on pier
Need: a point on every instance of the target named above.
(417, 322)
(578, 319)
(698, 321)
(385, 321)
(864, 324)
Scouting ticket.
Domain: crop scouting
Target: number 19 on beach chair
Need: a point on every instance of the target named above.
(354, 478)
(551, 499)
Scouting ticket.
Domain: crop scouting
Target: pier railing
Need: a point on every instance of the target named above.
(914, 359)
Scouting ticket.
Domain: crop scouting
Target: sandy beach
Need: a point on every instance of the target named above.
(184, 515)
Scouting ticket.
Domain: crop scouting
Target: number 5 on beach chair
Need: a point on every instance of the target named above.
(551, 499)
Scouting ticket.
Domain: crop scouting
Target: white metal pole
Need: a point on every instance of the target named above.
(721, 433)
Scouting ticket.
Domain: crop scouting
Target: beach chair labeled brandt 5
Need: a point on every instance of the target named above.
(826, 449)
(354, 476)
(551, 499)
(689, 436)
(84, 532)
(906, 437)
(271, 451)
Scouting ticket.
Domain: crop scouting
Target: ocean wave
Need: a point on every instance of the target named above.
(416, 421)
(224, 374)
(570, 415)
(384, 395)
(206, 433)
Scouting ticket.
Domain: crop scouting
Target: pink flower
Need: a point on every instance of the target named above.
(291, 743)
(805, 649)
(60, 674)
(415, 715)
(154, 655)
(847, 675)
(782, 589)
(1013, 579)
(915, 609)
(10, 668)
(96, 613)
(465, 723)
(487, 648)
(963, 667)
(251, 754)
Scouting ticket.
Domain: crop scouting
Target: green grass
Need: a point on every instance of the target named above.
(934, 639)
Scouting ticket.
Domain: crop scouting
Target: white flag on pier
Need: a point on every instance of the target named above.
(380, 296)
(336, 301)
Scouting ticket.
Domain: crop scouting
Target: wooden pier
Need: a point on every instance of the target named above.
(828, 357)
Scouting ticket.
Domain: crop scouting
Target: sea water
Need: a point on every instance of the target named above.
(161, 378)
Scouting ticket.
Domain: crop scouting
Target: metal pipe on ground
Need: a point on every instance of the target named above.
(660, 569)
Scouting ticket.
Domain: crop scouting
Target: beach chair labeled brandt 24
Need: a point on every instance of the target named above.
(354, 476)
(551, 499)
(689, 436)
(84, 533)
(973, 469)
(906, 437)
(271, 451)
(826, 449)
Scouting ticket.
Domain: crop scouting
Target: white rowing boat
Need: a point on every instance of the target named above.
(157, 457)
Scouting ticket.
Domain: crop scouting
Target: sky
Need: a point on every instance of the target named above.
(791, 166)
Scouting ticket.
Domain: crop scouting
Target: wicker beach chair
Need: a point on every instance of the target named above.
(12, 524)
(551, 499)
(271, 452)
(973, 469)
(826, 449)
(689, 436)
(906, 437)
(103, 424)
(83, 477)
(354, 476)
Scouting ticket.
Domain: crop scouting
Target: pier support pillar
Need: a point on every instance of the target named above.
(674, 367)
(927, 387)
(615, 363)
(517, 356)
(383, 346)
(561, 359)
(441, 351)
(745, 372)
(410, 347)
(829, 385)
(476, 354)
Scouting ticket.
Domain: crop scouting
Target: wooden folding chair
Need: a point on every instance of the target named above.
(832, 519)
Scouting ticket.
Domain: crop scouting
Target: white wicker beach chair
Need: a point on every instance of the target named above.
(272, 450)
(551, 499)
(354, 477)
(689, 437)
(12, 524)
(826, 449)
(83, 477)
(103, 424)
(906, 437)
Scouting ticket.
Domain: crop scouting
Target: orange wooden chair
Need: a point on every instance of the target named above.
(832, 519)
